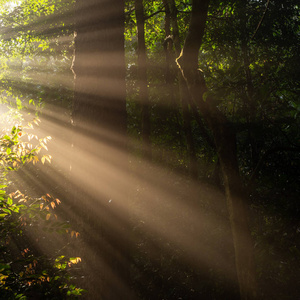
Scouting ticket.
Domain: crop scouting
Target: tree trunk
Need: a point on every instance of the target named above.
(142, 78)
(225, 141)
(250, 105)
(184, 97)
(99, 158)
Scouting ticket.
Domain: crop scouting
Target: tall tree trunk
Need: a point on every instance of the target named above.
(225, 141)
(250, 105)
(184, 96)
(100, 158)
(142, 78)
(168, 45)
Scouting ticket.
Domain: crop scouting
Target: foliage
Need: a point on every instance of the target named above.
(25, 274)
(251, 68)
(249, 59)
(35, 43)
(35, 50)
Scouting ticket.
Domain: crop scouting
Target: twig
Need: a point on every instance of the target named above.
(260, 22)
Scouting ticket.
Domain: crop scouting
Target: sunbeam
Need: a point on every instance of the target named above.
(149, 150)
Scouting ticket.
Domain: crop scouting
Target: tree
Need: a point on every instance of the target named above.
(225, 141)
(236, 107)
(142, 78)
(99, 118)
(171, 13)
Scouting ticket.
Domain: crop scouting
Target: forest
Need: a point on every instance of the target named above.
(149, 149)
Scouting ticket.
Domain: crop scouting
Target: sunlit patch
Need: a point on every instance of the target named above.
(110, 206)
(105, 190)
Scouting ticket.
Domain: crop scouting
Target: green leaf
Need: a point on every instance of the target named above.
(15, 208)
(9, 201)
(59, 258)
(4, 267)
(19, 103)
(6, 210)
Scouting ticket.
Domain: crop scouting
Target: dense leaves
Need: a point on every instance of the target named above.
(249, 59)
(24, 272)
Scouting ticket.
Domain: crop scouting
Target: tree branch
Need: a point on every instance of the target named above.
(261, 20)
